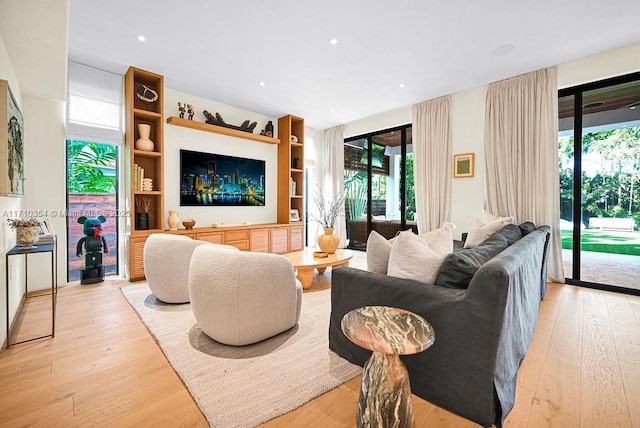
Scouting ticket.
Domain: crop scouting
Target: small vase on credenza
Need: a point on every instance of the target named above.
(173, 220)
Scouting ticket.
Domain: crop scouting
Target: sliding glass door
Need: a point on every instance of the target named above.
(378, 178)
(599, 155)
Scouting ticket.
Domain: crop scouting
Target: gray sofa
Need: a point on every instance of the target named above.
(482, 332)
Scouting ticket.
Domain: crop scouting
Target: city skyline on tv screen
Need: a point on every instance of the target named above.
(208, 179)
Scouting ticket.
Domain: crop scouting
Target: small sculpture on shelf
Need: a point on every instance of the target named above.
(181, 108)
(218, 120)
(269, 129)
(190, 111)
(93, 244)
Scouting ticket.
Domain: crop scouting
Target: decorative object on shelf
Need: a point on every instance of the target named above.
(327, 213)
(143, 204)
(190, 111)
(218, 120)
(189, 223)
(294, 139)
(294, 163)
(292, 187)
(294, 215)
(11, 144)
(173, 220)
(147, 185)
(320, 254)
(147, 95)
(463, 165)
(144, 143)
(93, 244)
(182, 109)
(269, 129)
(328, 242)
(27, 231)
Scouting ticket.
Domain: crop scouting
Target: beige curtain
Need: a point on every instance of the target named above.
(330, 178)
(521, 154)
(432, 162)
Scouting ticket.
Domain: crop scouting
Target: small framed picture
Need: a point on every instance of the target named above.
(46, 228)
(294, 215)
(463, 165)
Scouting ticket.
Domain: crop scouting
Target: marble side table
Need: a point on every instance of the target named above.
(385, 395)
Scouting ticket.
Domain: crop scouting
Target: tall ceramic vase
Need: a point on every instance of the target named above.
(144, 143)
(173, 220)
(328, 242)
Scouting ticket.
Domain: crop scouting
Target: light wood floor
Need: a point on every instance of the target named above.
(104, 369)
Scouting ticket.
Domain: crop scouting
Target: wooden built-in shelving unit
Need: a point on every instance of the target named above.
(288, 151)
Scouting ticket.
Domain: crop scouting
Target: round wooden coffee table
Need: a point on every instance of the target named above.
(304, 262)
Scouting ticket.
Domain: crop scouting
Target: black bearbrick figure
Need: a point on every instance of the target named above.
(93, 243)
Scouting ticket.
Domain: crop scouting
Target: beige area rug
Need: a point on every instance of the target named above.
(248, 385)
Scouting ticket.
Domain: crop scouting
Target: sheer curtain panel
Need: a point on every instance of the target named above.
(432, 162)
(521, 154)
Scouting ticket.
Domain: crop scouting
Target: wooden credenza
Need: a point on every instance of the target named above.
(266, 238)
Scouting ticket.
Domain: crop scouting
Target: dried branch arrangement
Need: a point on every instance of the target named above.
(143, 204)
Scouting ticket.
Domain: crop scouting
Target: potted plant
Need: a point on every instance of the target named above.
(328, 210)
(27, 232)
(143, 205)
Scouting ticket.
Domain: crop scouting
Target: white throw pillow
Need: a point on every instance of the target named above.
(440, 240)
(487, 217)
(479, 231)
(411, 258)
(378, 250)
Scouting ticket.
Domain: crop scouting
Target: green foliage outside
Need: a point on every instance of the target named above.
(603, 242)
(84, 162)
(355, 193)
(611, 189)
(410, 189)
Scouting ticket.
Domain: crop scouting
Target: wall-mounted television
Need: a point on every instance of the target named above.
(208, 179)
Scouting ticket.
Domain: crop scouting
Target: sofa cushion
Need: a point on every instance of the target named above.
(412, 258)
(526, 228)
(439, 240)
(458, 268)
(378, 250)
(511, 232)
(479, 231)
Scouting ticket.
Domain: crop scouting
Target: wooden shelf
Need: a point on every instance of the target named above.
(153, 192)
(296, 196)
(147, 154)
(200, 126)
(296, 170)
(296, 144)
(146, 113)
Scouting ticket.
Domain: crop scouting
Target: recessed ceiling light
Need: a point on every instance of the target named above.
(333, 41)
(402, 85)
(142, 38)
(261, 83)
(331, 110)
(502, 50)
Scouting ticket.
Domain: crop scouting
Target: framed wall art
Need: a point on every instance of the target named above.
(294, 215)
(11, 144)
(463, 165)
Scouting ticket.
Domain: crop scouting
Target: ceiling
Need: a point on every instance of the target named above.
(222, 50)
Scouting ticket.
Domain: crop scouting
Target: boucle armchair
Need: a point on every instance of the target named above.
(166, 265)
(239, 297)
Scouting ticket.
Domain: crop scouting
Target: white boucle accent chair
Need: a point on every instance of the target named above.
(239, 298)
(166, 265)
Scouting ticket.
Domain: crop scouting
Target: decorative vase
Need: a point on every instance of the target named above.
(27, 236)
(173, 220)
(144, 143)
(142, 221)
(328, 242)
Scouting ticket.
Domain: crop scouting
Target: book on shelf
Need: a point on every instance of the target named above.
(136, 171)
(47, 238)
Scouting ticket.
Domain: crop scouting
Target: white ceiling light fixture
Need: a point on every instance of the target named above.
(502, 50)
(142, 38)
(402, 85)
(333, 41)
(261, 83)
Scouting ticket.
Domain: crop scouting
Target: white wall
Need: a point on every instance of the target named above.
(468, 194)
(178, 137)
(8, 209)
